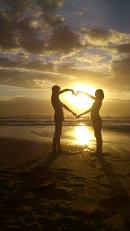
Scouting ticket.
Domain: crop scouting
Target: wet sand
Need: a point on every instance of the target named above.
(75, 190)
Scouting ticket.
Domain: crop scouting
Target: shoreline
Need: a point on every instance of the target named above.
(21, 144)
(73, 190)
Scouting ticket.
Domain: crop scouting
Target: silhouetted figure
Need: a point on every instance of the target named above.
(58, 116)
(95, 117)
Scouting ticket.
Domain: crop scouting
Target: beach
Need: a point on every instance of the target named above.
(74, 190)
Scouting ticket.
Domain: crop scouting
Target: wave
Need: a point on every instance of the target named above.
(115, 123)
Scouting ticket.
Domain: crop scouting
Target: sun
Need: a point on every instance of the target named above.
(81, 101)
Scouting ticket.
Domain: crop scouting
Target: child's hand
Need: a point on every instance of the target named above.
(74, 114)
(73, 92)
(78, 116)
(77, 93)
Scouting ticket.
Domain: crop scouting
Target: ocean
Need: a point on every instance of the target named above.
(114, 123)
(77, 134)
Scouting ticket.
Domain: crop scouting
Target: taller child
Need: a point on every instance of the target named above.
(58, 116)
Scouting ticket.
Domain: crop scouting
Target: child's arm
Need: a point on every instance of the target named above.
(65, 90)
(68, 109)
(90, 96)
(84, 113)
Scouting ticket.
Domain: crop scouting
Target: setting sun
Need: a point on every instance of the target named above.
(81, 101)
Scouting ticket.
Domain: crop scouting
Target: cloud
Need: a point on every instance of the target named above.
(121, 72)
(98, 33)
(36, 27)
(22, 23)
(103, 37)
(123, 48)
(86, 76)
(7, 33)
(21, 60)
(58, 39)
(39, 48)
(32, 79)
(30, 38)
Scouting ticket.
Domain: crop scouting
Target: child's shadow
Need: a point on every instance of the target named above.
(118, 197)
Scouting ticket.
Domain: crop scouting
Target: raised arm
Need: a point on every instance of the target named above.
(90, 96)
(84, 113)
(65, 90)
(68, 109)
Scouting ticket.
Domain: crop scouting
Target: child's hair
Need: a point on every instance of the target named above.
(55, 88)
(99, 93)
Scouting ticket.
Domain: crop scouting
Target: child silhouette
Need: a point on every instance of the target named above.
(58, 116)
(95, 117)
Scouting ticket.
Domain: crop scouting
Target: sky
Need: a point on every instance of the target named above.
(67, 43)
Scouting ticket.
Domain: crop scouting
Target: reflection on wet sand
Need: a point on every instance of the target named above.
(83, 135)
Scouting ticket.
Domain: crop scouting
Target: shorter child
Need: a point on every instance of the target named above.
(58, 116)
(95, 117)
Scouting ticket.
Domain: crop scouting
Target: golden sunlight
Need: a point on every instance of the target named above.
(83, 135)
(81, 101)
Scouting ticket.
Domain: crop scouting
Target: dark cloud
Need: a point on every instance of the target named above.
(124, 48)
(30, 38)
(22, 23)
(22, 62)
(121, 72)
(98, 33)
(7, 33)
(49, 5)
(64, 39)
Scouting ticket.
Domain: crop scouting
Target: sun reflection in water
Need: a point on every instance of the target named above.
(83, 135)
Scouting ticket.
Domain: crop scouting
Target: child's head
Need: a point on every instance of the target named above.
(99, 94)
(55, 89)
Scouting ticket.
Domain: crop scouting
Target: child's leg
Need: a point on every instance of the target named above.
(99, 142)
(97, 132)
(54, 140)
(57, 134)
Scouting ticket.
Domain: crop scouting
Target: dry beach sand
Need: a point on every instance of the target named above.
(75, 190)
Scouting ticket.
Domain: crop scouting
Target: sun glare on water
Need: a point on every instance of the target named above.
(83, 135)
(81, 101)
